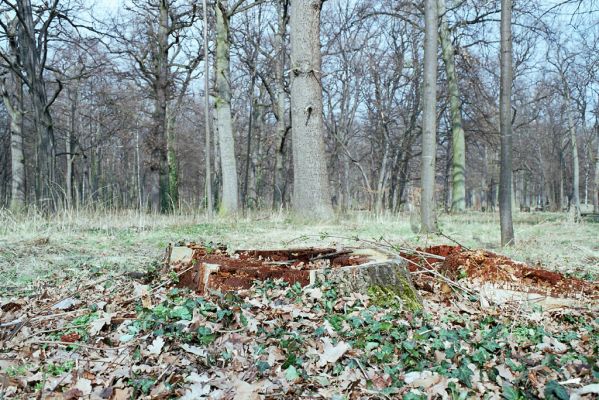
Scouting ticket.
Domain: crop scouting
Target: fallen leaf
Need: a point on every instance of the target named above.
(70, 337)
(73, 394)
(199, 387)
(424, 379)
(66, 304)
(246, 391)
(156, 346)
(505, 373)
(332, 353)
(84, 385)
(143, 292)
(588, 389)
(96, 326)
(122, 394)
(552, 345)
(198, 351)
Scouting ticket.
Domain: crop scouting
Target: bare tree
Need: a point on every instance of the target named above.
(159, 51)
(30, 34)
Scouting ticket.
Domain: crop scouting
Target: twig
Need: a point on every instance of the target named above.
(455, 241)
(232, 331)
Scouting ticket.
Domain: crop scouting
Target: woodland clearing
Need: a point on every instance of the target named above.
(83, 326)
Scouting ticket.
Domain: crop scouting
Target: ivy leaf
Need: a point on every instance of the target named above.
(554, 390)
(181, 313)
(291, 374)
(463, 373)
(510, 392)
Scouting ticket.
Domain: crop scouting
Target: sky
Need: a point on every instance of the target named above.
(107, 6)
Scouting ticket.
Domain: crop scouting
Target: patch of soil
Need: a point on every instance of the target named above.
(425, 258)
(240, 270)
(485, 266)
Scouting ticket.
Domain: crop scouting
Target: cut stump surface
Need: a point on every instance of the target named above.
(366, 271)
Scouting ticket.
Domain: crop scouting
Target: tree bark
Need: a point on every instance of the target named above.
(429, 120)
(596, 185)
(33, 65)
(458, 143)
(505, 126)
(70, 147)
(171, 156)
(18, 194)
(224, 122)
(311, 196)
(157, 177)
(279, 106)
(575, 162)
(207, 115)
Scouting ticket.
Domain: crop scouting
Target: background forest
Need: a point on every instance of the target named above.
(105, 104)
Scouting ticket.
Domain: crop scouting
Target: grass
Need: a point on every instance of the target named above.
(37, 250)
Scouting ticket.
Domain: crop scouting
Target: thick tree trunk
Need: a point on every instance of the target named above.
(429, 120)
(17, 199)
(596, 185)
(157, 176)
(458, 144)
(311, 195)
(171, 156)
(505, 126)
(33, 66)
(224, 122)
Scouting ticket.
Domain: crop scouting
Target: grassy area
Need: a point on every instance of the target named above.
(37, 250)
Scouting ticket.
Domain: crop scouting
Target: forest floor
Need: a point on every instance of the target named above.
(88, 334)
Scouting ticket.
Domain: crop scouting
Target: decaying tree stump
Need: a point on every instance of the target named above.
(386, 282)
(383, 278)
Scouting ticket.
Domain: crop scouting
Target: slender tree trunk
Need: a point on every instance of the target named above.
(429, 120)
(207, 115)
(281, 127)
(458, 143)
(311, 196)
(382, 179)
(224, 122)
(505, 122)
(18, 198)
(575, 162)
(248, 150)
(70, 148)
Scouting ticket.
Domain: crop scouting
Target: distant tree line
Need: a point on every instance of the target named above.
(314, 104)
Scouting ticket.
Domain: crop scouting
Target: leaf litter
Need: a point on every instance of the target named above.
(116, 338)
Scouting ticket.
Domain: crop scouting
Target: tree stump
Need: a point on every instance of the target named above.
(383, 278)
(387, 283)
